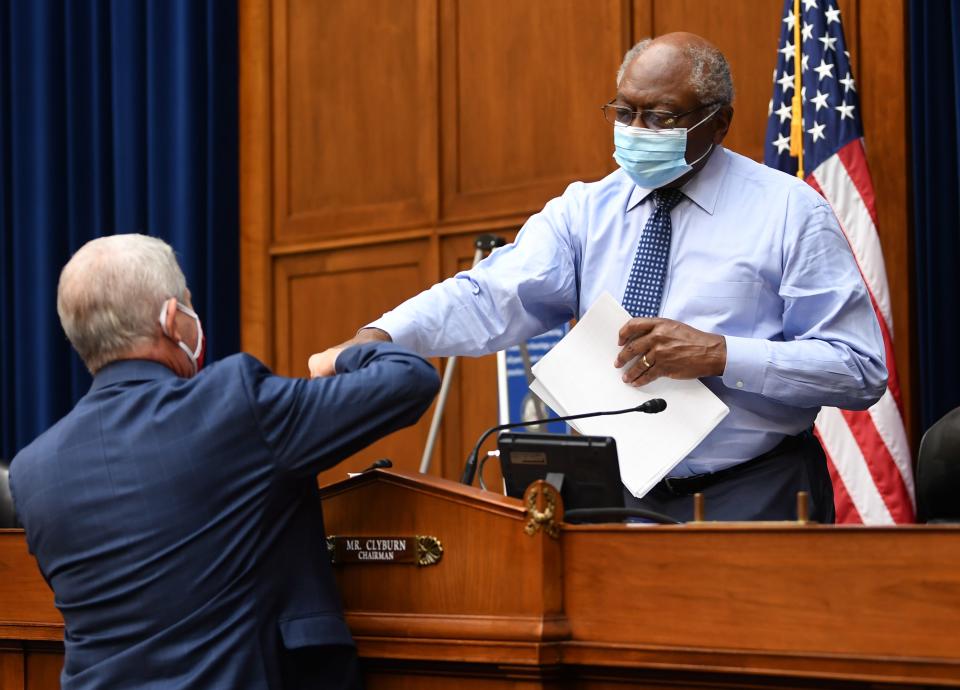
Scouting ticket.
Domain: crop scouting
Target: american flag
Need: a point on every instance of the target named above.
(820, 135)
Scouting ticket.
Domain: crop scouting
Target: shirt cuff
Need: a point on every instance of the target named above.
(746, 367)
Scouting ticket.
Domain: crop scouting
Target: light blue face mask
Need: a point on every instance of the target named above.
(654, 158)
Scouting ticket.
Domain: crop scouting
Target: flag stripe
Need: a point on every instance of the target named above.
(887, 462)
(889, 423)
(850, 464)
(893, 381)
(854, 159)
(880, 463)
(846, 511)
(838, 188)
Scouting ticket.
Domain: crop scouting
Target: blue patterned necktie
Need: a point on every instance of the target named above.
(645, 286)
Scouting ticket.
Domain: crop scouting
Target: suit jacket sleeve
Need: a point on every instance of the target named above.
(311, 425)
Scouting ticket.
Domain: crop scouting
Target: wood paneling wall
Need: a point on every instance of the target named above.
(378, 138)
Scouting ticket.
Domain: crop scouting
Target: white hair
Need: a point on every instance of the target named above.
(110, 294)
(709, 71)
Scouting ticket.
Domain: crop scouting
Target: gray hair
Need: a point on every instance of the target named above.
(111, 292)
(709, 71)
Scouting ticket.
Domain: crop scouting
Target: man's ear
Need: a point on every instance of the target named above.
(723, 119)
(170, 319)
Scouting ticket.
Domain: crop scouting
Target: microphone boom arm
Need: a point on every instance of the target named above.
(470, 468)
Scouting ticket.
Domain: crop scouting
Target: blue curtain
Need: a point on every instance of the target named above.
(934, 64)
(115, 117)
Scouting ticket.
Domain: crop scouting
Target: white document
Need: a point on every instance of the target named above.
(578, 376)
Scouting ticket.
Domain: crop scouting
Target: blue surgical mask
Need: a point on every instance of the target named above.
(654, 158)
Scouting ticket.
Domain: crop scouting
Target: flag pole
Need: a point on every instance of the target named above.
(796, 118)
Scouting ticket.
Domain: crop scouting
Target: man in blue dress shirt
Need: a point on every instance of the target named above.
(174, 512)
(760, 296)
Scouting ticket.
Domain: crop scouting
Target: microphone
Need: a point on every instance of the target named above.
(652, 406)
(378, 464)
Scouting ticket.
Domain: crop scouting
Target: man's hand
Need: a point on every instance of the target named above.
(325, 363)
(669, 348)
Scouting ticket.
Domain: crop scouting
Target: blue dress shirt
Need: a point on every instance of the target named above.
(756, 256)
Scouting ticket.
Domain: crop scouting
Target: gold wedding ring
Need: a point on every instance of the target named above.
(645, 362)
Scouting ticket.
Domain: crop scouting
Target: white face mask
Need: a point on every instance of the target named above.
(197, 354)
(654, 158)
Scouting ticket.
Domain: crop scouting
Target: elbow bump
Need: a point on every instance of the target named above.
(425, 381)
(431, 383)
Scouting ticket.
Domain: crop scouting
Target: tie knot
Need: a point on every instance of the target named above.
(667, 198)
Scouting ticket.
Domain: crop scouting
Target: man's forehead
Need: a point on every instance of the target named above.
(661, 75)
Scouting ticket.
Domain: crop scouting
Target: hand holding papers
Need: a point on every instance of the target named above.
(578, 376)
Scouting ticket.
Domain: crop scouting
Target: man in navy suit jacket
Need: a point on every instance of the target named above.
(175, 514)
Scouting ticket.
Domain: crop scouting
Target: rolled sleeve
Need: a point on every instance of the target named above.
(519, 291)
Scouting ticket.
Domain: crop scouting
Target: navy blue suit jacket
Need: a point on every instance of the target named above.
(178, 520)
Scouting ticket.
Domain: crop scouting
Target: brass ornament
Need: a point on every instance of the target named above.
(545, 516)
(429, 550)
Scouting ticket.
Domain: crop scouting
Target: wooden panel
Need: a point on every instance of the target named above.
(830, 590)
(764, 605)
(11, 669)
(25, 597)
(31, 628)
(463, 596)
(850, 16)
(323, 297)
(355, 121)
(403, 678)
(523, 83)
(255, 177)
(43, 669)
(758, 606)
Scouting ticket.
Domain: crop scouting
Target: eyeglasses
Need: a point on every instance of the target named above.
(652, 119)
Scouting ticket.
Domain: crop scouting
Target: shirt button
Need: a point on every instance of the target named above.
(739, 384)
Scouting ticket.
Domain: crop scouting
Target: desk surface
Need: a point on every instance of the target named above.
(778, 601)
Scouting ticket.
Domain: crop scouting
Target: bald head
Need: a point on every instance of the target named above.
(110, 294)
(682, 59)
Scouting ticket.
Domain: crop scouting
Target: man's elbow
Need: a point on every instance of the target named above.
(879, 386)
(429, 383)
(423, 384)
(875, 377)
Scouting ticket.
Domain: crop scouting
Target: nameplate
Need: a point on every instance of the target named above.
(416, 550)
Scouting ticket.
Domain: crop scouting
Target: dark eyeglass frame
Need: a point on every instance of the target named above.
(652, 119)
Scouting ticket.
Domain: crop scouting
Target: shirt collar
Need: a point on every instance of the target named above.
(703, 189)
(128, 370)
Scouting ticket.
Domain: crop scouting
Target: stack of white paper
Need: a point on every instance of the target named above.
(578, 376)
